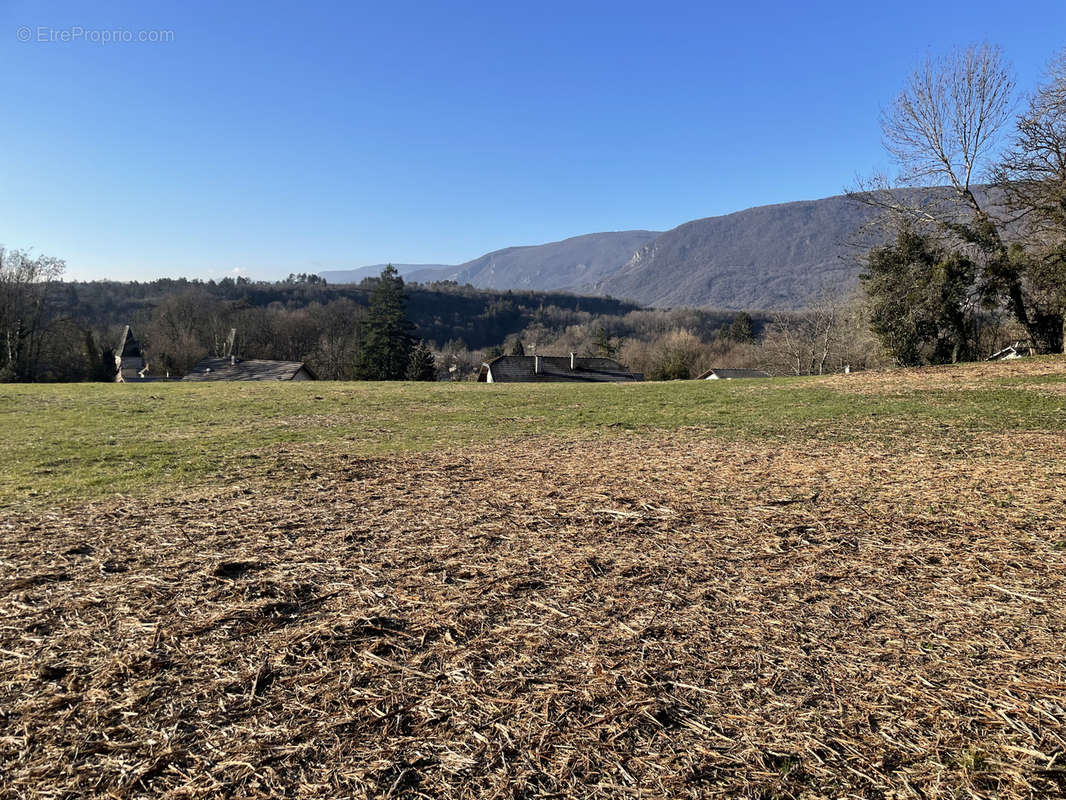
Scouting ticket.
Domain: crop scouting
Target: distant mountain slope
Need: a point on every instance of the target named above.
(544, 267)
(778, 256)
(338, 276)
(580, 260)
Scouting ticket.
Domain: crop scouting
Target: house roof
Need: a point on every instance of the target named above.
(1016, 350)
(128, 347)
(556, 369)
(224, 369)
(727, 374)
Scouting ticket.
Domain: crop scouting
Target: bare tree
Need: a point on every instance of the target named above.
(831, 335)
(801, 343)
(945, 125)
(335, 352)
(675, 356)
(1032, 173)
(184, 328)
(26, 286)
(1032, 177)
(943, 130)
(786, 347)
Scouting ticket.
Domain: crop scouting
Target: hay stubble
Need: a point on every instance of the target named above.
(623, 616)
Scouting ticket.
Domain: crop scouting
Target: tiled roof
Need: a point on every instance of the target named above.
(727, 374)
(129, 348)
(223, 369)
(556, 369)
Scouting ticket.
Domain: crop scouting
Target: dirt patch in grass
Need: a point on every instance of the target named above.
(589, 617)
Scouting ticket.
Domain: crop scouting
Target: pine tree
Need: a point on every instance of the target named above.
(741, 329)
(386, 332)
(604, 346)
(517, 349)
(422, 366)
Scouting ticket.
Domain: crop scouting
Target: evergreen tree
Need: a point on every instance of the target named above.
(923, 307)
(604, 346)
(423, 366)
(741, 329)
(385, 351)
(517, 349)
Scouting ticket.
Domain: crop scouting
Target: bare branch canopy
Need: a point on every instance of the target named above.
(947, 120)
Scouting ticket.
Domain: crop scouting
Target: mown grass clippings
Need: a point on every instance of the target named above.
(577, 615)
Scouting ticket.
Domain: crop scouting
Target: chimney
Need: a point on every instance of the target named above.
(536, 364)
(232, 360)
(572, 362)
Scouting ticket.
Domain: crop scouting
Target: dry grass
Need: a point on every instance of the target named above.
(617, 616)
(981, 375)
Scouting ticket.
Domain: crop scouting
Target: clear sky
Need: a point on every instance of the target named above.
(272, 138)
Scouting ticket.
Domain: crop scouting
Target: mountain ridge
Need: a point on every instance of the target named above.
(777, 256)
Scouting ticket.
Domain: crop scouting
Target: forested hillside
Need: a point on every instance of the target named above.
(440, 312)
(77, 326)
(779, 256)
(770, 257)
(303, 318)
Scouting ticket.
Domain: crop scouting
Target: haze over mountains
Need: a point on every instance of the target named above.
(778, 256)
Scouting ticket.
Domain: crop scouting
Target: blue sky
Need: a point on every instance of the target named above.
(289, 137)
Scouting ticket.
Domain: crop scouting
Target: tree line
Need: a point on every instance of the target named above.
(378, 330)
(382, 329)
(52, 330)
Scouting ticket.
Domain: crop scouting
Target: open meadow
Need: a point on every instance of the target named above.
(849, 586)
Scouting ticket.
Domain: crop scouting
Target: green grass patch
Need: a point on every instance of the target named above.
(80, 441)
(1036, 380)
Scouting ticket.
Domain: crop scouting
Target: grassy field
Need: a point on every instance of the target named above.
(798, 588)
(74, 442)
